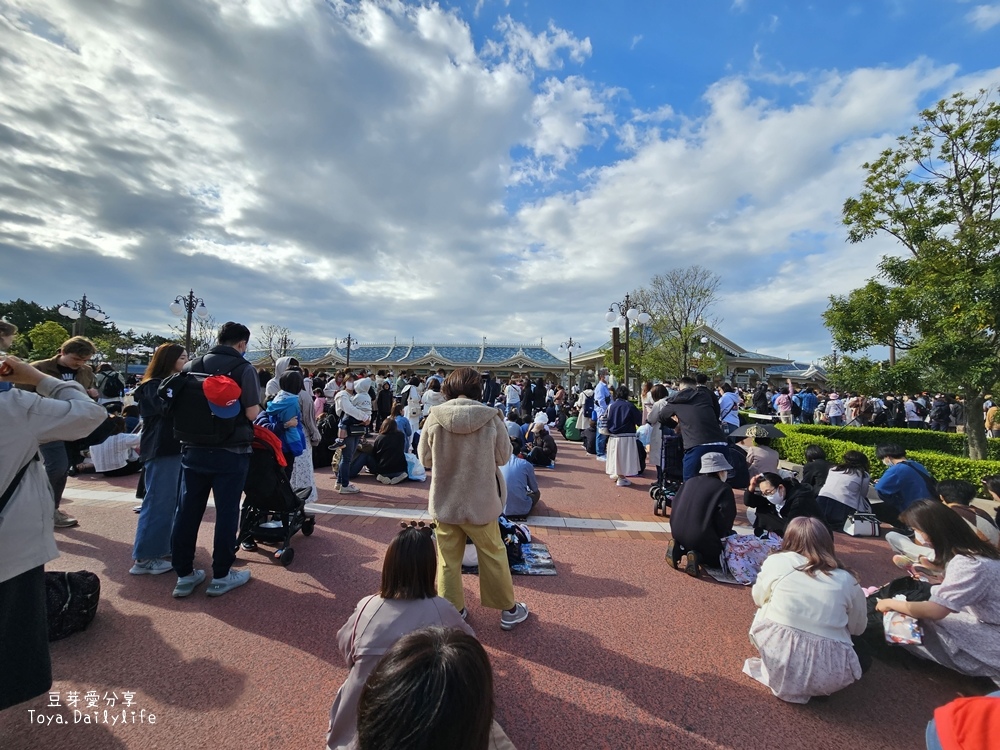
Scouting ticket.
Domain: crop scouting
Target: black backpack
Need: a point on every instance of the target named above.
(194, 422)
(588, 406)
(112, 385)
(70, 602)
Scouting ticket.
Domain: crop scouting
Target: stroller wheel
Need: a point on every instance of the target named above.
(653, 490)
(285, 556)
(656, 507)
(308, 526)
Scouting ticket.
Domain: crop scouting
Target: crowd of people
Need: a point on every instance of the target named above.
(412, 654)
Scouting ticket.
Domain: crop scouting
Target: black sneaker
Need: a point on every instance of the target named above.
(693, 568)
(673, 556)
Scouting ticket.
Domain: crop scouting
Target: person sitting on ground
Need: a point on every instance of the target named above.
(845, 490)
(777, 501)
(131, 416)
(396, 414)
(696, 411)
(116, 456)
(387, 460)
(903, 483)
(570, 429)
(809, 607)
(701, 516)
(761, 457)
(407, 601)
(513, 423)
(522, 486)
(432, 689)
(816, 467)
(992, 485)
(543, 445)
(961, 621)
(623, 454)
(917, 557)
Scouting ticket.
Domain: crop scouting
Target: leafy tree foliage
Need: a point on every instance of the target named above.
(937, 192)
(46, 338)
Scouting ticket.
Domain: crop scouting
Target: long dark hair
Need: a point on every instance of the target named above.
(432, 689)
(161, 365)
(853, 462)
(948, 532)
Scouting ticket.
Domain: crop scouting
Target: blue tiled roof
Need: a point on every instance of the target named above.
(405, 353)
(368, 353)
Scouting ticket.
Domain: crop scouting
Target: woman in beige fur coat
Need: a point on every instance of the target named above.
(465, 443)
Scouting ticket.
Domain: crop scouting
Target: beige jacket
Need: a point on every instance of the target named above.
(465, 443)
(61, 410)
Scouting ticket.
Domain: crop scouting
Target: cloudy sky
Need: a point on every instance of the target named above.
(445, 171)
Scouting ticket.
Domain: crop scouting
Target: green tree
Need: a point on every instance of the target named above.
(937, 192)
(679, 301)
(46, 338)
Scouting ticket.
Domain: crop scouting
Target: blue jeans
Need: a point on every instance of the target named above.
(346, 461)
(56, 461)
(692, 458)
(601, 444)
(223, 473)
(836, 421)
(156, 519)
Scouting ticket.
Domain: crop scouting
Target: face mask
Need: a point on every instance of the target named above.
(349, 385)
(887, 462)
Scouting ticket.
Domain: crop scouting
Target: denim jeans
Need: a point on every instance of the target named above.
(346, 461)
(56, 461)
(223, 473)
(836, 421)
(156, 519)
(602, 444)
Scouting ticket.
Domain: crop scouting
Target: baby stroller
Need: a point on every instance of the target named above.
(272, 511)
(671, 472)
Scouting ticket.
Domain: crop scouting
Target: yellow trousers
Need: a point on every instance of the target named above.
(496, 589)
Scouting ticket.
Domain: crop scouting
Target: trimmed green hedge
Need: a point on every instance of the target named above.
(792, 448)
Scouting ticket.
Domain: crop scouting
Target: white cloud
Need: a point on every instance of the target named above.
(635, 41)
(984, 17)
(543, 50)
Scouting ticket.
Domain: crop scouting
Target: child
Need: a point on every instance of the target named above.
(285, 409)
(319, 403)
(361, 399)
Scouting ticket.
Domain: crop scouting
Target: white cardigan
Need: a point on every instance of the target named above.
(66, 413)
(849, 489)
(830, 605)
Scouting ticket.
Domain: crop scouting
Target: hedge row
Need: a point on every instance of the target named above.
(792, 448)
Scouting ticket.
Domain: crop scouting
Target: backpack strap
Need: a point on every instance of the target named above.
(12, 487)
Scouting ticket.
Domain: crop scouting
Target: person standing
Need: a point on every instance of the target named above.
(694, 409)
(602, 402)
(58, 410)
(219, 468)
(729, 408)
(69, 364)
(465, 443)
(160, 453)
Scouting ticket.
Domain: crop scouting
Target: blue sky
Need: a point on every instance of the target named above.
(448, 171)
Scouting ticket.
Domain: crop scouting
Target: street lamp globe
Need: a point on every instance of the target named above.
(95, 315)
(201, 311)
(632, 314)
(68, 312)
(621, 321)
(176, 309)
(610, 317)
(643, 318)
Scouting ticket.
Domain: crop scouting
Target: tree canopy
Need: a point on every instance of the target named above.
(937, 193)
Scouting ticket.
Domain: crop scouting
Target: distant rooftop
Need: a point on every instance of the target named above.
(388, 355)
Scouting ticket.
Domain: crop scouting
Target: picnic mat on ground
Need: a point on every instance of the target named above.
(537, 562)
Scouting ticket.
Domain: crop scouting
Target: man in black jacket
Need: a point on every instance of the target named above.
(702, 515)
(220, 469)
(696, 410)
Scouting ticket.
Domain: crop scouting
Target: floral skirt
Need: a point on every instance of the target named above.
(797, 665)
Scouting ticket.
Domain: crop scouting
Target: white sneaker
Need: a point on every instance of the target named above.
(220, 586)
(154, 567)
(623, 482)
(509, 619)
(186, 584)
(348, 489)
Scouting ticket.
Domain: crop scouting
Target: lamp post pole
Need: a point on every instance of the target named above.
(622, 315)
(192, 306)
(78, 312)
(348, 342)
(569, 346)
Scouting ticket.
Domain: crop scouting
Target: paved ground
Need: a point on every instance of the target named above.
(620, 651)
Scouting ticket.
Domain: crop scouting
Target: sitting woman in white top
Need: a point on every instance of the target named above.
(845, 489)
(810, 606)
(961, 621)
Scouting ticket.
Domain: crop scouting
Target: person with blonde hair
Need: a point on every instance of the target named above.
(809, 607)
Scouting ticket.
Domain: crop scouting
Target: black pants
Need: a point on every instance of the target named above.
(886, 514)
(25, 667)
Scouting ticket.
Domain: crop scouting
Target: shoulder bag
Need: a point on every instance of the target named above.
(12, 487)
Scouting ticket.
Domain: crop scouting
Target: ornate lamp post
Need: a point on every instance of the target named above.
(79, 312)
(569, 347)
(348, 342)
(192, 306)
(622, 315)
